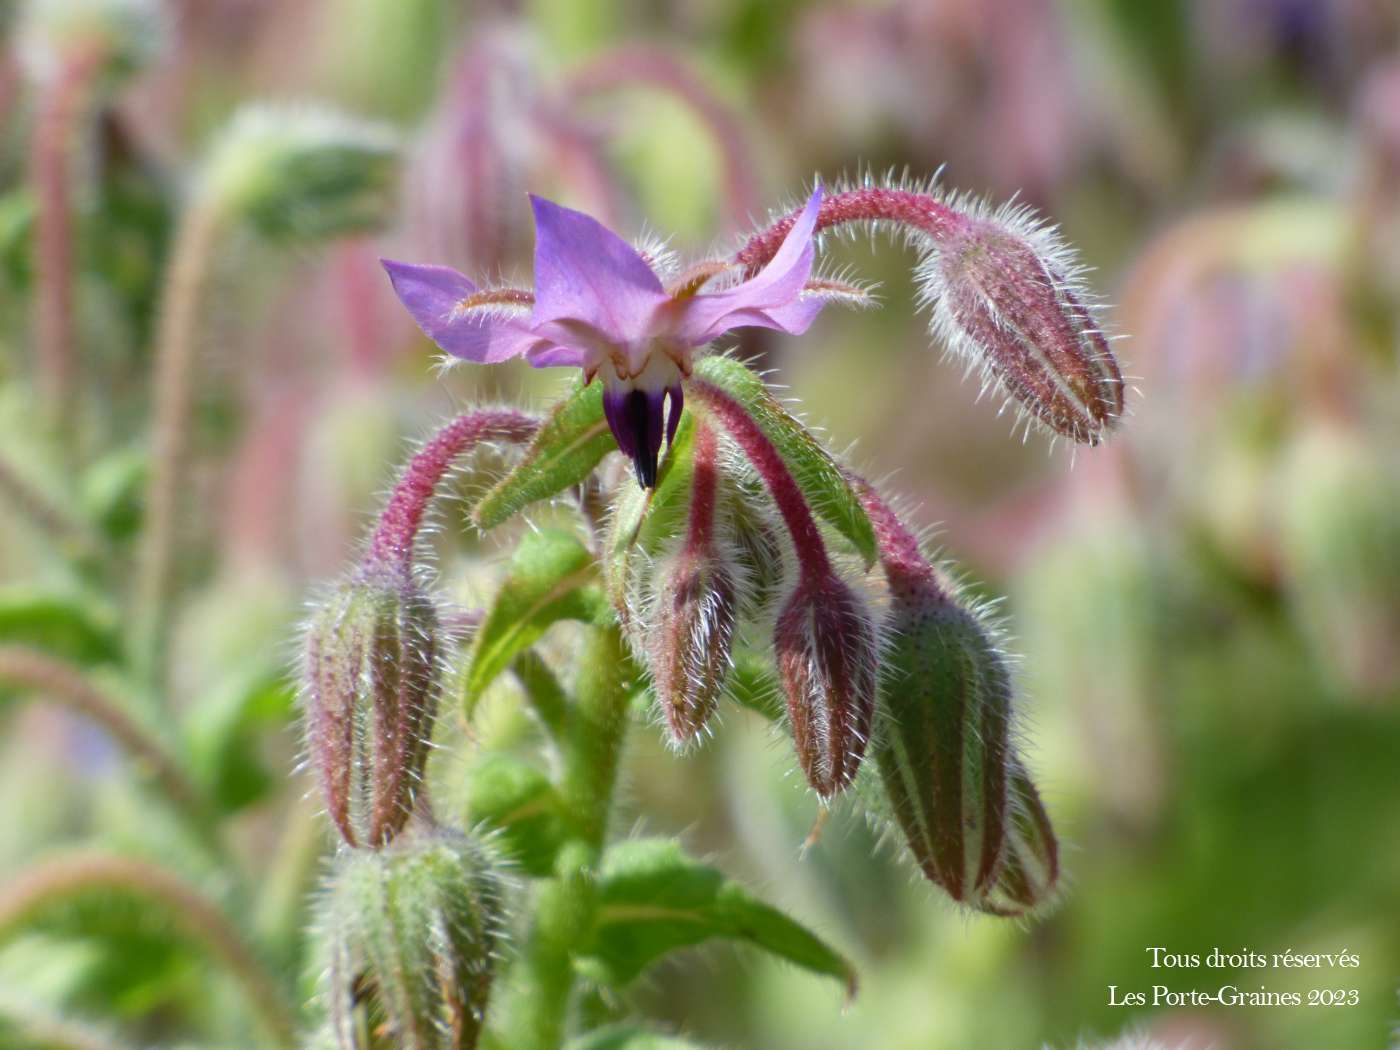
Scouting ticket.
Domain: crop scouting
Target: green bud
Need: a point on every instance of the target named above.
(411, 936)
(944, 748)
(370, 682)
(303, 174)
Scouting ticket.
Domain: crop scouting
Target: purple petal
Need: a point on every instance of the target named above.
(769, 299)
(585, 273)
(434, 294)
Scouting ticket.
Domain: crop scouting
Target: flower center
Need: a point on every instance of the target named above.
(636, 406)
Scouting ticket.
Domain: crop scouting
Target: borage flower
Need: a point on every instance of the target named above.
(602, 306)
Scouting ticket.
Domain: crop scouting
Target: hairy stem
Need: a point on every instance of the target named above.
(895, 208)
(391, 546)
(61, 110)
(65, 878)
(31, 669)
(906, 568)
(176, 364)
(537, 1011)
(812, 558)
(704, 485)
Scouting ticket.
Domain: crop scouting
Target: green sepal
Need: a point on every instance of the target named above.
(812, 466)
(552, 577)
(566, 448)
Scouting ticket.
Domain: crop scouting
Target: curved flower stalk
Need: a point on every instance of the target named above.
(740, 525)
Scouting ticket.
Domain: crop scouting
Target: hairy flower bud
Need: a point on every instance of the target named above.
(370, 679)
(411, 936)
(689, 647)
(827, 657)
(303, 174)
(1001, 299)
(944, 750)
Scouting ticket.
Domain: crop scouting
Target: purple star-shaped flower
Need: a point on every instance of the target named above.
(600, 305)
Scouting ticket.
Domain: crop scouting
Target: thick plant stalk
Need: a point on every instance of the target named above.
(536, 1013)
(31, 669)
(62, 108)
(176, 369)
(68, 877)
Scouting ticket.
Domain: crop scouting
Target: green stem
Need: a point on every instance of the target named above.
(176, 367)
(64, 878)
(546, 695)
(537, 1012)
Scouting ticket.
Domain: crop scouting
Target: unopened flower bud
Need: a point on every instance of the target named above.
(827, 657)
(943, 750)
(411, 934)
(1030, 870)
(370, 679)
(689, 646)
(304, 174)
(1001, 299)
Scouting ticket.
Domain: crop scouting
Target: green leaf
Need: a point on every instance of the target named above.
(652, 900)
(552, 577)
(565, 450)
(816, 473)
(513, 798)
(628, 1037)
(112, 492)
(60, 625)
(225, 733)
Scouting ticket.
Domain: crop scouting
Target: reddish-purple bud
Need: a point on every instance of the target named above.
(1003, 301)
(370, 679)
(689, 646)
(827, 657)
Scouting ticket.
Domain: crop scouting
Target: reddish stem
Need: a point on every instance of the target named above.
(391, 546)
(703, 485)
(60, 110)
(812, 558)
(921, 211)
(906, 568)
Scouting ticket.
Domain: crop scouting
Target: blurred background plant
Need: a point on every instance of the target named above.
(203, 371)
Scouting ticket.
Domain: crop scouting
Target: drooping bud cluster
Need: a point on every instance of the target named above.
(824, 639)
(411, 936)
(370, 685)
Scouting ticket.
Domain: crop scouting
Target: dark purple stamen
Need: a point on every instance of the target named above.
(638, 419)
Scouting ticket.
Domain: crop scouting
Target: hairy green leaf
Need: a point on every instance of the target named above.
(653, 899)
